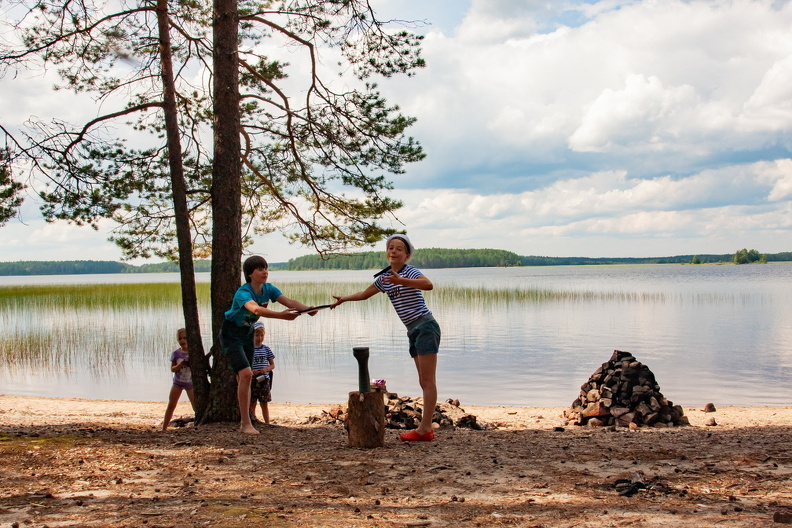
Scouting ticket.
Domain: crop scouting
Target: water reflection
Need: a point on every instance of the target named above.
(520, 336)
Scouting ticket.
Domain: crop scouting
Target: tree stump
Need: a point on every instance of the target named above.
(365, 421)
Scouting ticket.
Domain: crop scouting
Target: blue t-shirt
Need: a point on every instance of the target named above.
(408, 302)
(238, 314)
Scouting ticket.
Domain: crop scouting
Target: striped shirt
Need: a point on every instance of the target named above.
(408, 302)
(261, 358)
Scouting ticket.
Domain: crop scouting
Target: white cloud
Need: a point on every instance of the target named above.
(636, 116)
(657, 86)
(770, 105)
(723, 204)
(610, 128)
(39, 240)
(778, 175)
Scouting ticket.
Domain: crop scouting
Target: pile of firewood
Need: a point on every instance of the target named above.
(623, 392)
(405, 413)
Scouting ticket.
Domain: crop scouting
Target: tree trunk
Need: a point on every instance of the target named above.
(181, 213)
(226, 203)
(365, 423)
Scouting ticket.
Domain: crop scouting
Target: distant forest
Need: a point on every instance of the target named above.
(80, 267)
(426, 258)
(483, 258)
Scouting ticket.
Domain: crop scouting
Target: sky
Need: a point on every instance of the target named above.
(567, 128)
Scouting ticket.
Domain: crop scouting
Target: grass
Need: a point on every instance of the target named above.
(96, 296)
(116, 296)
(142, 296)
(99, 326)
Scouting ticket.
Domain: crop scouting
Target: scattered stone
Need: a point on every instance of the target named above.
(183, 421)
(782, 517)
(623, 392)
(711, 422)
(710, 407)
(639, 482)
(629, 487)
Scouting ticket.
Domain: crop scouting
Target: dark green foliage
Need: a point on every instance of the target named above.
(69, 267)
(425, 258)
(745, 256)
(316, 154)
(170, 267)
(81, 267)
(586, 261)
(10, 190)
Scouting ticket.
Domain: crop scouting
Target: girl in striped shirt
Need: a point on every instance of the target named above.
(404, 284)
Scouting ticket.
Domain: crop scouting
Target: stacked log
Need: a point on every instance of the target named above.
(405, 413)
(623, 392)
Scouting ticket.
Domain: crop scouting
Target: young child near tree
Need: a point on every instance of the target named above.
(403, 284)
(182, 377)
(262, 366)
(236, 334)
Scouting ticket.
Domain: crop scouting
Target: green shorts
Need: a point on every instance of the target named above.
(424, 336)
(237, 343)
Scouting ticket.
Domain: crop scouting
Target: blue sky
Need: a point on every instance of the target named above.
(568, 128)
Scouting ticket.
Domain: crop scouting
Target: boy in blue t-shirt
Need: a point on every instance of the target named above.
(236, 335)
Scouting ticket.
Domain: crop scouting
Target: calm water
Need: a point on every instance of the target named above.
(709, 333)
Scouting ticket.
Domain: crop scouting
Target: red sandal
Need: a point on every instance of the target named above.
(415, 436)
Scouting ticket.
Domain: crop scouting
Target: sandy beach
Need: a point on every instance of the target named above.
(74, 462)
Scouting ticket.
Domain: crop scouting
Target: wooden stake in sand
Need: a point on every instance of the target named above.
(365, 422)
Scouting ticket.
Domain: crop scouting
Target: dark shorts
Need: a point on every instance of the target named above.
(183, 384)
(237, 342)
(424, 336)
(261, 391)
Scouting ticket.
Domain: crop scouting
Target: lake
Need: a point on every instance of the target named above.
(511, 336)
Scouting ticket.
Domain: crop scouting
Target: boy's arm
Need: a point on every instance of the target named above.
(291, 303)
(254, 308)
(359, 296)
(265, 369)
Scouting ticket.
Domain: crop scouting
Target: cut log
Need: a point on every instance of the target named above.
(365, 421)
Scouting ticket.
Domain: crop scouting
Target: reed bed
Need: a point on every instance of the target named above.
(479, 295)
(96, 296)
(96, 326)
(117, 296)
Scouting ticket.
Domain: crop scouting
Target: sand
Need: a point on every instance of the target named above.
(75, 462)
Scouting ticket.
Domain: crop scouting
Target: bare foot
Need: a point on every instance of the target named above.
(248, 429)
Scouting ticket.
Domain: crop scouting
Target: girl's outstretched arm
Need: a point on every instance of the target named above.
(291, 303)
(359, 296)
